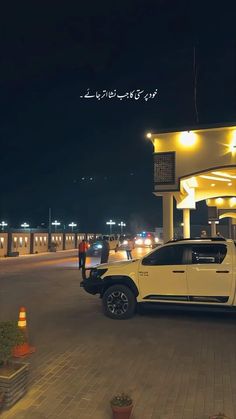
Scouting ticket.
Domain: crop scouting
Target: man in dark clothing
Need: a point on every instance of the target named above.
(83, 247)
(105, 250)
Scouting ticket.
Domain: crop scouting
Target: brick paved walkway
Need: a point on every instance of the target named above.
(175, 365)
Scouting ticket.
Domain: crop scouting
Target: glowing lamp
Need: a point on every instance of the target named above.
(187, 138)
(149, 135)
(219, 201)
(233, 201)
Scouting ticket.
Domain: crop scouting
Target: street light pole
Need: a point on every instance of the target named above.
(110, 223)
(49, 220)
(55, 224)
(25, 226)
(3, 224)
(121, 224)
(72, 225)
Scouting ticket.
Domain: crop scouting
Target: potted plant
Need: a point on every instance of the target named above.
(219, 416)
(13, 375)
(121, 405)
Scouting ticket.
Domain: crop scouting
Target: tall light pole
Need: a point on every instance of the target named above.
(55, 224)
(110, 223)
(3, 224)
(121, 224)
(25, 226)
(72, 225)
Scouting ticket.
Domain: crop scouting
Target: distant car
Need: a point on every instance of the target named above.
(96, 247)
(124, 241)
(146, 239)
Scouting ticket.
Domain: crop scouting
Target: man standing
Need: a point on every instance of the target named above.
(105, 250)
(83, 247)
(129, 248)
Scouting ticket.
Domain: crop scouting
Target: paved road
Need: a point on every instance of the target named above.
(174, 364)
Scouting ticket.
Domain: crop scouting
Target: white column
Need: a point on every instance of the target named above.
(186, 221)
(234, 228)
(213, 229)
(230, 227)
(167, 210)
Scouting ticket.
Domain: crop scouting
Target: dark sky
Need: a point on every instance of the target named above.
(51, 138)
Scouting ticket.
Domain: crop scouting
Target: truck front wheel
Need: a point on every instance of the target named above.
(119, 302)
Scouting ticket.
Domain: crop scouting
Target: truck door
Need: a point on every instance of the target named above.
(162, 275)
(210, 274)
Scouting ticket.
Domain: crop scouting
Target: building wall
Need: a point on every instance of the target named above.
(36, 242)
(3, 244)
(69, 241)
(210, 149)
(58, 239)
(21, 243)
(40, 242)
(80, 236)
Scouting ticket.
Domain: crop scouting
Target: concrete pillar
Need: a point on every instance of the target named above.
(186, 221)
(31, 243)
(63, 241)
(9, 243)
(213, 228)
(230, 227)
(167, 210)
(234, 228)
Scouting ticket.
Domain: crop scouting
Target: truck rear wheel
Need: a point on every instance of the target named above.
(119, 302)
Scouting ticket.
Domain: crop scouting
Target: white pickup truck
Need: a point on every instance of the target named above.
(199, 272)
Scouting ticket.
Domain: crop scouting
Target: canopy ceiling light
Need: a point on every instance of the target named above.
(224, 175)
(214, 178)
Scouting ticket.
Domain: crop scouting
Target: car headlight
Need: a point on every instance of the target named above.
(125, 242)
(99, 246)
(138, 241)
(156, 240)
(148, 242)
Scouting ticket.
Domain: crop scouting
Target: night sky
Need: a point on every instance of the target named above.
(51, 138)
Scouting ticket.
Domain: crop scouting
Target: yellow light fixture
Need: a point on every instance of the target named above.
(219, 201)
(187, 138)
(213, 184)
(214, 178)
(224, 175)
(230, 184)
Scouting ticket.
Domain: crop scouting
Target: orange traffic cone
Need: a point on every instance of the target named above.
(25, 348)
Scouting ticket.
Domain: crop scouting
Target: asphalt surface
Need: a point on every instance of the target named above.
(175, 364)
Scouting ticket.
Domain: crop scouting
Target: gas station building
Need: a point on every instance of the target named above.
(195, 165)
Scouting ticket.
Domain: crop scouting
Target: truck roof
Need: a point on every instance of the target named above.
(202, 239)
